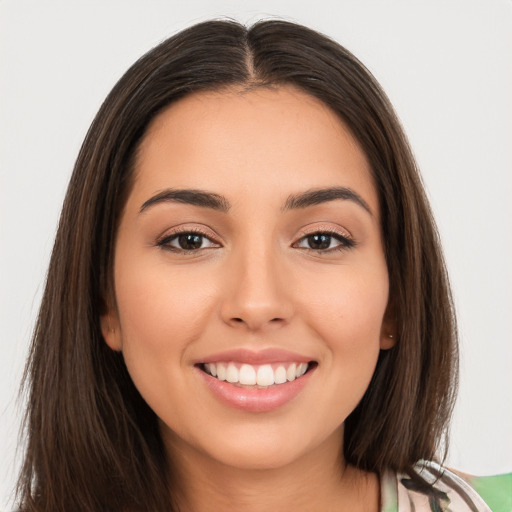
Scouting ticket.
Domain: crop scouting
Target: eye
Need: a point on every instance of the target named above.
(325, 242)
(186, 242)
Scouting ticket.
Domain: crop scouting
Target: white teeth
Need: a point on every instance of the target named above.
(232, 373)
(263, 375)
(290, 373)
(221, 371)
(280, 375)
(247, 375)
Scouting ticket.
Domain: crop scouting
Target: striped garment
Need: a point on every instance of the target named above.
(442, 490)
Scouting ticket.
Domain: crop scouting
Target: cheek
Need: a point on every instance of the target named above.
(346, 310)
(154, 301)
(161, 313)
(348, 306)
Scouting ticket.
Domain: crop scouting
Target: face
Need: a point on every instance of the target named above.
(250, 278)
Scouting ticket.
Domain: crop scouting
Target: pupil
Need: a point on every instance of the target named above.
(190, 241)
(319, 241)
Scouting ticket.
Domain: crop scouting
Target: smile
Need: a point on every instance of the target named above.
(260, 376)
(256, 381)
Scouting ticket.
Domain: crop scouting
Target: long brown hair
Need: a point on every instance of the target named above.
(93, 443)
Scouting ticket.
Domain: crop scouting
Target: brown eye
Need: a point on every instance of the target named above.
(319, 241)
(190, 241)
(186, 242)
(325, 242)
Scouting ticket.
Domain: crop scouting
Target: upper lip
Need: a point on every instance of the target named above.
(265, 356)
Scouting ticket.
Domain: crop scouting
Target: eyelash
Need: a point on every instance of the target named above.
(165, 242)
(345, 243)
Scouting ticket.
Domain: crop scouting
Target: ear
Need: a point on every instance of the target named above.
(388, 331)
(110, 328)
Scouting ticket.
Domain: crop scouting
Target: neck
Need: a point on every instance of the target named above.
(318, 480)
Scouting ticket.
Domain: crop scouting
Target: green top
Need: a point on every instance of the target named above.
(440, 490)
(495, 490)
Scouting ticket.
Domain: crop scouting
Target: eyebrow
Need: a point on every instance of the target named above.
(188, 196)
(217, 202)
(324, 195)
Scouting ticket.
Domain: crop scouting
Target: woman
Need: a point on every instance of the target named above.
(246, 304)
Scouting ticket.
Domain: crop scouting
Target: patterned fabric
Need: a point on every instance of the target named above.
(441, 490)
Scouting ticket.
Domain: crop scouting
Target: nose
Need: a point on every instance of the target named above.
(257, 295)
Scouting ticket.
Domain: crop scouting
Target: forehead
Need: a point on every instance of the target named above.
(236, 141)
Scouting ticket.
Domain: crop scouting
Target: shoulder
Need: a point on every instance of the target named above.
(495, 490)
(433, 488)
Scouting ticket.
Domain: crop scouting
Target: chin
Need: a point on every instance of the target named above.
(256, 457)
(258, 447)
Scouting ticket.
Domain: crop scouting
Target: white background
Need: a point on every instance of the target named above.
(447, 67)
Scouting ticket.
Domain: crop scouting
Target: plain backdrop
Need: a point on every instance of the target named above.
(447, 67)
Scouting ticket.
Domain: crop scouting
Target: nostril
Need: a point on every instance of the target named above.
(255, 322)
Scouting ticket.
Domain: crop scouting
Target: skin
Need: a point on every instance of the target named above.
(254, 283)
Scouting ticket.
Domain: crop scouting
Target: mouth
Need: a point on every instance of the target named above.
(257, 376)
(256, 381)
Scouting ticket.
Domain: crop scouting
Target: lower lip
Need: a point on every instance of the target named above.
(254, 399)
